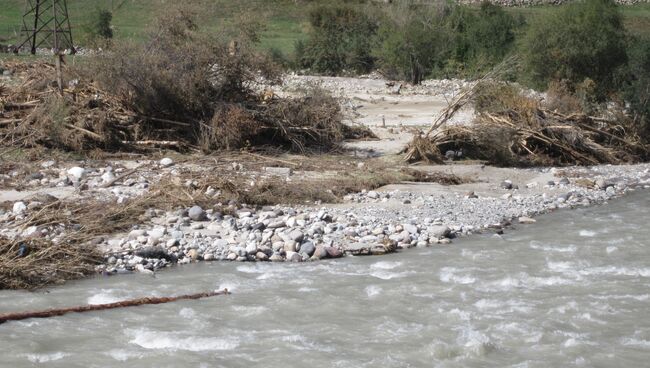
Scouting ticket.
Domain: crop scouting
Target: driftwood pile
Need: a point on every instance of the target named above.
(523, 132)
(34, 113)
(34, 263)
(61, 244)
(543, 138)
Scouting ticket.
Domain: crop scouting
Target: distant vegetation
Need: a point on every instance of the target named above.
(341, 38)
(591, 51)
(99, 29)
(582, 50)
(582, 42)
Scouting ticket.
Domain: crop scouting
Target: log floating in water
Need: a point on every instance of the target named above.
(90, 308)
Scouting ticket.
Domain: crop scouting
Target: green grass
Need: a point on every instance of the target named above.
(636, 17)
(285, 19)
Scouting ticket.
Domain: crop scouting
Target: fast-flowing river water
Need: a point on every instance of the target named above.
(571, 290)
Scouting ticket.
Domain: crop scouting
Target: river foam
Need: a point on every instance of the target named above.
(157, 340)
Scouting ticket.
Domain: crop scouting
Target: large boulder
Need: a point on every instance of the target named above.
(76, 173)
(19, 208)
(307, 248)
(319, 253)
(196, 213)
(439, 231)
(154, 253)
(372, 249)
(166, 162)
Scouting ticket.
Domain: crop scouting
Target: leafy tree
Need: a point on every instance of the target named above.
(99, 28)
(459, 22)
(413, 45)
(636, 82)
(491, 34)
(102, 26)
(584, 40)
(480, 39)
(104, 20)
(340, 39)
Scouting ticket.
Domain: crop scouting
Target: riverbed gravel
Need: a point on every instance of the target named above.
(377, 222)
(368, 223)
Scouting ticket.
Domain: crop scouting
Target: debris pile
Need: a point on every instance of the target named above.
(543, 138)
(34, 113)
(511, 129)
(85, 117)
(34, 263)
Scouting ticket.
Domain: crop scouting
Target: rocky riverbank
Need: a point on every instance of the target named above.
(368, 223)
(371, 222)
(146, 213)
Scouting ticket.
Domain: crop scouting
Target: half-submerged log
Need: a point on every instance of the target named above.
(90, 308)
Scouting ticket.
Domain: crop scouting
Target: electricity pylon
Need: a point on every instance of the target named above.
(46, 24)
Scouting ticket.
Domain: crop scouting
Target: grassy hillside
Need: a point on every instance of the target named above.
(286, 20)
(637, 17)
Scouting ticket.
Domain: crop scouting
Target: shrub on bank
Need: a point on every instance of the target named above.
(583, 40)
(340, 39)
(412, 42)
(635, 86)
(181, 88)
(480, 39)
(99, 30)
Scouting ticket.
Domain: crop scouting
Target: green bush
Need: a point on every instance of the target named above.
(278, 57)
(340, 39)
(480, 39)
(636, 83)
(584, 40)
(103, 25)
(413, 46)
(99, 29)
(444, 41)
(491, 35)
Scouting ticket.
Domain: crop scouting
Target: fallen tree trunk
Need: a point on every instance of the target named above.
(90, 308)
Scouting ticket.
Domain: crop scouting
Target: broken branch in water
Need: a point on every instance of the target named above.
(89, 308)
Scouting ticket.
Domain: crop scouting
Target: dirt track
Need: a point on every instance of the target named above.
(393, 116)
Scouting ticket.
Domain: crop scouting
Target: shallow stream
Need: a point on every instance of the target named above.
(571, 290)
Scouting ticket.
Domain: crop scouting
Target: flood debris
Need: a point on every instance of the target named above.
(98, 307)
(62, 235)
(34, 263)
(518, 130)
(88, 117)
(544, 138)
(422, 147)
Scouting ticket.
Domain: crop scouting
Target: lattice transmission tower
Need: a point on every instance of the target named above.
(46, 24)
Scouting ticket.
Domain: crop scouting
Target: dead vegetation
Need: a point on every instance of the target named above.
(511, 129)
(324, 179)
(182, 90)
(62, 234)
(61, 245)
(46, 263)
